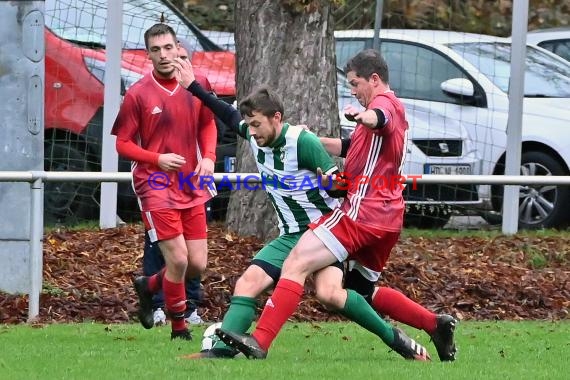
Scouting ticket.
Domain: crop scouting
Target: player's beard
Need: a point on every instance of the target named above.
(267, 140)
(165, 72)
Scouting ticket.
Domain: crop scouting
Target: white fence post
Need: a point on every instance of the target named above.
(514, 124)
(36, 247)
(109, 163)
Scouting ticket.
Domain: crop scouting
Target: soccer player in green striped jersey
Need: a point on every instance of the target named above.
(287, 158)
(281, 151)
(364, 228)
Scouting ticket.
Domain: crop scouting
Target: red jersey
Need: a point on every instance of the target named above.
(375, 199)
(160, 120)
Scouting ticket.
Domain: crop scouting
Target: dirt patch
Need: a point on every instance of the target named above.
(88, 274)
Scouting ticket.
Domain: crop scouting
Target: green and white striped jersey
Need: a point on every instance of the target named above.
(288, 171)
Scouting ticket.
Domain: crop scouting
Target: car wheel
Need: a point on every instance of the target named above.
(427, 216)
(540, 206)
(67, 202)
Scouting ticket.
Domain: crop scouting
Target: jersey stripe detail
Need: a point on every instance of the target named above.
(261, 156)
(301, 216)
(314, 196)
(371, 160)
(282, 226)
(278, 159)
(334, 219)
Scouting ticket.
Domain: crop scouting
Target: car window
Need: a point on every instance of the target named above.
(84, 21)
(348, 48)
(417, 72)
(558, 47)
(544, 76)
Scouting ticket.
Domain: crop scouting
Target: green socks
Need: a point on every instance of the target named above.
(239, 317)
(358, 310)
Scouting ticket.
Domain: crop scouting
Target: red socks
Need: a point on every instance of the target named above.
(155, 281)
(397, 306)
(277, 310)
(175, 302)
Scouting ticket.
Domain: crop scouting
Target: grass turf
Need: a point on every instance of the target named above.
(487, 350)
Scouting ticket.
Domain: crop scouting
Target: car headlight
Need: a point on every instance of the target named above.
(468, 146)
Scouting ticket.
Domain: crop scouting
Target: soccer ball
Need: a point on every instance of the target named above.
(210, 338)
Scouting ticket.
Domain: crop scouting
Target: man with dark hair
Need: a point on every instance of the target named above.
(153, 261)
(168, 135)
(277, 148)
(364, 228)
(299, 154)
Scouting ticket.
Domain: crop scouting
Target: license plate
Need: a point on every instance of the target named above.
(447, 169)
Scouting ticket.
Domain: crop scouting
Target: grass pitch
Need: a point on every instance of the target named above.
(487, 350)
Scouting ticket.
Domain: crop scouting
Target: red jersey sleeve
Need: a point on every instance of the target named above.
(207, 131)
(127, 121)
(384, 104)
(133, 152)
(126, 128)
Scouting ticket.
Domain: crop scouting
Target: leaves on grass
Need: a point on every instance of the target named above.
(88, 276)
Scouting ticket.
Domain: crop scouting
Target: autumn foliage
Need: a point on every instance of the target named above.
(88, 274)
(475, 16)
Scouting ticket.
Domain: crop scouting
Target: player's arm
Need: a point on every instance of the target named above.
(336, 146)
(207, 131)
(131, 151)
(224, 111)
(313, 156)
(125, 128)
(377, 117)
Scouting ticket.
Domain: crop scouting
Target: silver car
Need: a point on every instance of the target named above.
(556, 40)
(431, 149)
(465, 77)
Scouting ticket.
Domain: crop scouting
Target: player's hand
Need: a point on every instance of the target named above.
(350, 112)
(336, 185)
(183, 72)
(205, 168)
(367, 118)
(170, 161)
(324, 180)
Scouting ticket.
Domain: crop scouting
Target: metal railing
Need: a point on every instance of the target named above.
(37, 179)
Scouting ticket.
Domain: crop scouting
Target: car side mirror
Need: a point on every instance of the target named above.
(458, 87)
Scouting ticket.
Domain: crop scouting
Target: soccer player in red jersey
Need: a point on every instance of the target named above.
(364, 228)
(171, 139)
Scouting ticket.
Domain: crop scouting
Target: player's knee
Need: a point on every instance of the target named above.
(330, 296)
(196, 266)
(295, 265)
(325, 297)
(250, 283)
(245, 285)
(200, 268)
(177, 265)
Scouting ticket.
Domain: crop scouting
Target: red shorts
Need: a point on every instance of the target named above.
(167, 224)
(345, 238)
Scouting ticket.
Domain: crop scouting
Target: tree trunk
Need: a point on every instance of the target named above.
(293, 52)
